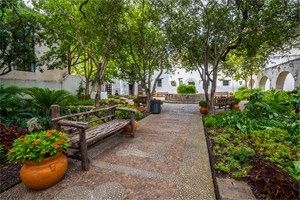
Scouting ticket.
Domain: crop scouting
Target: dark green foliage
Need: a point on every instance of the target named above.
(90, 102)
(126, 115)
(271, 180)
(242, 153)
(210, 121)
(202, 103)
(11, 104)
(44, 98)
(2, 153)
(186, 89)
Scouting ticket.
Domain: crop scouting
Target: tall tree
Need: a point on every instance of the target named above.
(205, 32)
(242, 66)
(94, 24)
(144, 46)
(19, 33)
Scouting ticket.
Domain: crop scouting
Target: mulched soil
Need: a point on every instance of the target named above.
(9, 175)
(219, 174)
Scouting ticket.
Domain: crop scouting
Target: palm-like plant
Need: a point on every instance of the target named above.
(44, 98)
(11, 103)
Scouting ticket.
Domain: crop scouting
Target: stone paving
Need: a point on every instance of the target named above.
(167, 159)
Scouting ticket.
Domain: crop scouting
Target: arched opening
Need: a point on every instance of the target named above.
(251, 84)
(190, 81)
(264, 83)
(285, 81)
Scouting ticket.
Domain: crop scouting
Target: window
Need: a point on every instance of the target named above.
(180, 81)
(191, 83)
(25, 61)
(226, 83)
(159, 83)
(173, 83)
(241, 82)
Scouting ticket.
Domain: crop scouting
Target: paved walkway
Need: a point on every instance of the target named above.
(167, 159)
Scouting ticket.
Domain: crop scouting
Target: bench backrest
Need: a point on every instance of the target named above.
(161, 94)
(103, 115)
(221, 94)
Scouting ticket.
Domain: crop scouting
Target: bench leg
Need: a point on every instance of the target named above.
(83, 150)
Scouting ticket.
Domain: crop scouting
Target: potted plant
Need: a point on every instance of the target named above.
(126, 115)
(203, 107)
(236, 104)
(135, 101)
(41, 152)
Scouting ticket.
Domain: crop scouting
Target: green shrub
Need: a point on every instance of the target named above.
(12, 105)
(186, 89)
(44, 98)
(126, 115)
(210, 121)
(90, 102)
(202, 103)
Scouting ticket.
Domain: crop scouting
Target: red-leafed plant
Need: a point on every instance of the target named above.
(7, 137)
(269, 179)
(9, 134)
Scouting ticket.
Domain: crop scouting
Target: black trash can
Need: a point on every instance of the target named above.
(155, 106)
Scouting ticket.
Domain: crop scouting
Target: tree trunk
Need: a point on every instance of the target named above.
(69, 61)
(99, 83)
(87, 88)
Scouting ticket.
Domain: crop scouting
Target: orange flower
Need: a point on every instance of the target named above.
(49, 134)
(49, 131)
(36, 142)
(9, 152)
(62, 140)
(57, 146)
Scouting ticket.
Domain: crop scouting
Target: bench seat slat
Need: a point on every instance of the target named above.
(100, 131)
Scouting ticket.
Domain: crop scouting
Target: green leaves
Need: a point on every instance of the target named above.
(37, 146)
(44, 98)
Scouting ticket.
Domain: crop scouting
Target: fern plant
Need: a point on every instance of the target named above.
(11, 103)
(44, 98)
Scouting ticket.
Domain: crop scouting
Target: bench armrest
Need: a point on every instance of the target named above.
(83, 125)
(126, 109)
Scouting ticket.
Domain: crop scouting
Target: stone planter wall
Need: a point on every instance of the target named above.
(184, 98)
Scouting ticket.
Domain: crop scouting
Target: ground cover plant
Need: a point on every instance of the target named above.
(260, 144)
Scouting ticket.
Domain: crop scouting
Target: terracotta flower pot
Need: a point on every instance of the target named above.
(236, 106)
(203, 110)
(44, 174)
(128, 128)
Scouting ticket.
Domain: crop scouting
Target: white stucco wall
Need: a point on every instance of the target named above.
(188, 77)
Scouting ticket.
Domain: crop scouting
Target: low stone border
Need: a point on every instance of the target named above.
(213, 172)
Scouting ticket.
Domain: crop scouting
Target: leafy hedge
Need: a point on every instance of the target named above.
(186, 89)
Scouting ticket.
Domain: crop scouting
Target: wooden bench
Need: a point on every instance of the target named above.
(221, 94)
(161, 94)
(82, 135)
(222, 99)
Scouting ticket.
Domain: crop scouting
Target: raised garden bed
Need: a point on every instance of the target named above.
(259, 146)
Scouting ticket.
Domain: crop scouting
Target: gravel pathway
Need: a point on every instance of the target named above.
(167, 159)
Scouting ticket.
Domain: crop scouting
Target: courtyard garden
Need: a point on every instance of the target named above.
(18, 107)
(260, 144)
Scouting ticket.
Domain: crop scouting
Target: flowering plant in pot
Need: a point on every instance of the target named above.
(203, 107)
(236, 103)
(41, 152)
(135, 101)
